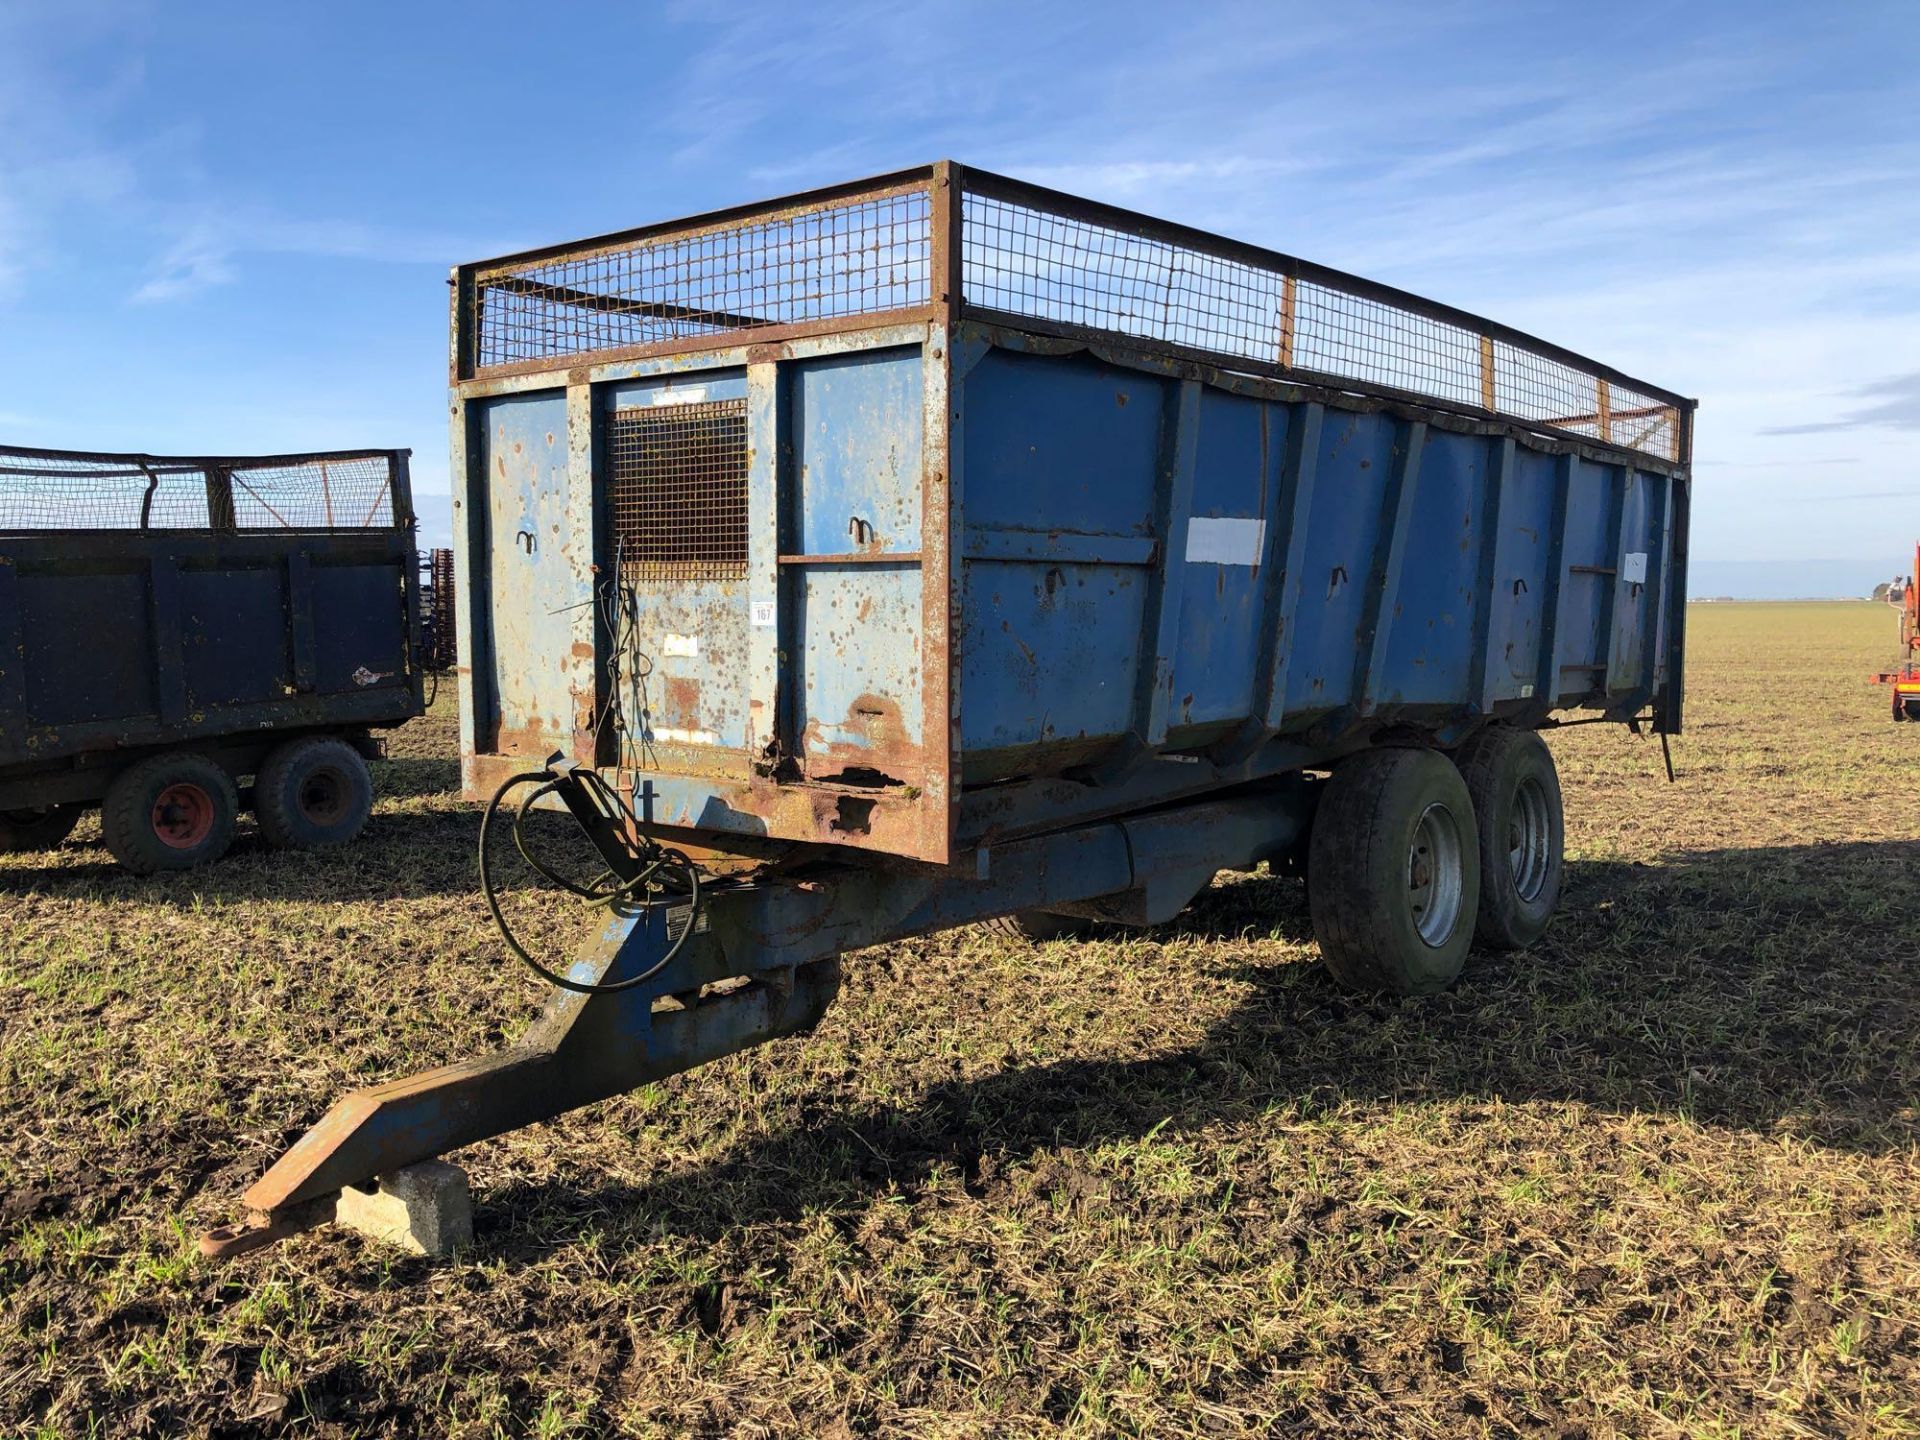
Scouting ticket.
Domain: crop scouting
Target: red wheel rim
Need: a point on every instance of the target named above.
(183, 816)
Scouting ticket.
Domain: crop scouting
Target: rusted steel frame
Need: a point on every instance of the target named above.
(1074, 207)
(856, 557)
(942, 522)
(781, 938)
(1134, 349)
(559, 365)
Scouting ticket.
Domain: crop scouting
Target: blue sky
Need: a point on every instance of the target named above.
(227, 227)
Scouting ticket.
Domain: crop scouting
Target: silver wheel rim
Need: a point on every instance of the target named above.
(1529, 839)
(1434, 879)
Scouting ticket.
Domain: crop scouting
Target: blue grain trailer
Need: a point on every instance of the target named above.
(940, 548)
(182, 635)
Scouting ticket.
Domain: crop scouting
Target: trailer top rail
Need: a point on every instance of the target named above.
(949, 240)
(90, 490)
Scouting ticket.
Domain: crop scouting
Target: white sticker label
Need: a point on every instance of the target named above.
(1633, 569)
(760, 613)
(687, 395)
(1229, 541)
(688, 645)
(1526, 692)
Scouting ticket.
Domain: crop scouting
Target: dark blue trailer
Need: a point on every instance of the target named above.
(178, 635)
(940, 548)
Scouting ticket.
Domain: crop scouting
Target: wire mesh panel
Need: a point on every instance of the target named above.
(678, 484)
(855, 257)
(1076, 268)
(1028, 255)
(77, 490)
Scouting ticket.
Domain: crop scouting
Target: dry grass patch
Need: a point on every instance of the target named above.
(1656, 1178)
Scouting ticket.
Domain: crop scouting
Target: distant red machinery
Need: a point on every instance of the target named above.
(1906, 679)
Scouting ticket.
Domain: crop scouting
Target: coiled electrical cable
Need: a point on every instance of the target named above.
(660, 872)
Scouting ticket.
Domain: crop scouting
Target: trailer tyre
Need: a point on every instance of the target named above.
(169, 812)
(38, 828)
(1515, 788)
(1393, 872)
(312, 794)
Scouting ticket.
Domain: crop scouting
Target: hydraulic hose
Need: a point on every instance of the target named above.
(658, 868)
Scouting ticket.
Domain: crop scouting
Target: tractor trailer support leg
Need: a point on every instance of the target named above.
(762, 963)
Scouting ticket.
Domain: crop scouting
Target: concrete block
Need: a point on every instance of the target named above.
(424, 1208)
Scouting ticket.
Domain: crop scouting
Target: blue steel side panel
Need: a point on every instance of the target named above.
(1520, 589)
(530, 571)
(1392, 568)
(1050, 653)
(1343, 531)
(852, 628)
(856, 423)
(1061, 444)
(1062, 459)
(60, 618)
(1228, 573)
(1593, 512)
(361, 642)
(856, 643)
(232, 658)
(1430, 639)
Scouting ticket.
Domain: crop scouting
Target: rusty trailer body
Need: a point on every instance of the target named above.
(939, 548)
(215, 610)
(952, 508)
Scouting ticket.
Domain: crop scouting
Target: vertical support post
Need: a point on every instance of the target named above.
(1491, 592)
(1289, 318)
(400, 488)
(1603, 409)
(942, 516)
(1303, 457)
(1383, 587)
(219, 483)
(1546, 686)
(462, 325)
(1609, 677)
(1680, 503)
(1488, 393)
(169, 648)
(472, 580)
(767, 620)
(1179, 448)
(582, 552)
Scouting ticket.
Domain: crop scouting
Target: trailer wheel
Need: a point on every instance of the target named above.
(312, 794)
(1393, 872)
(1036, 927)
(1515, 788)
(40, 827)
(169, 812)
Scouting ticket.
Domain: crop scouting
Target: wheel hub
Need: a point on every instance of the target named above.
(183, 816)
(1434, 875)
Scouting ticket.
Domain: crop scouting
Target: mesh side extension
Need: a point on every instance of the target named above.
(1023, 259)
(678, 485)
(77, 490)
(855, 258)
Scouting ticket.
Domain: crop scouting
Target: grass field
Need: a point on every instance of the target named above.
(1657, 1177)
